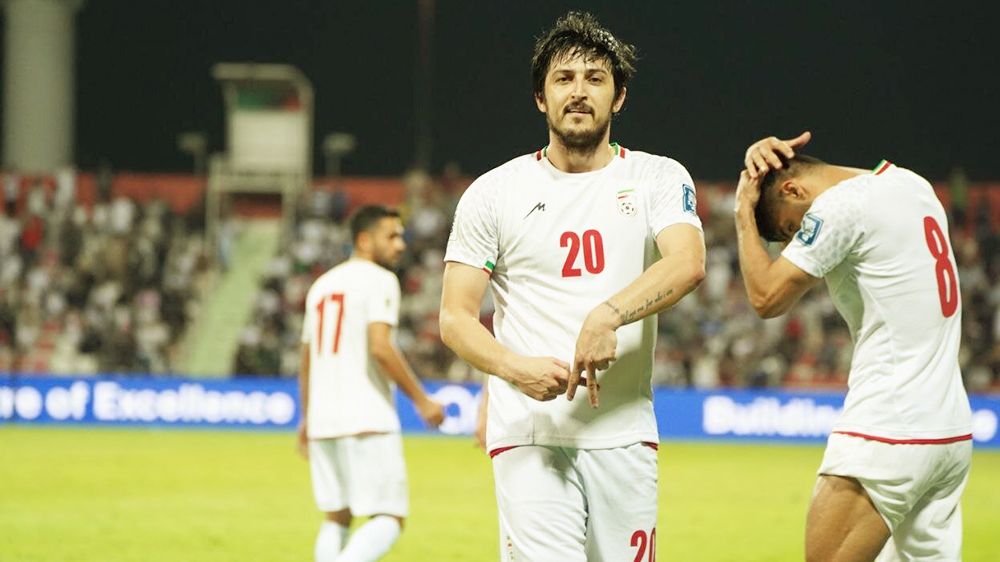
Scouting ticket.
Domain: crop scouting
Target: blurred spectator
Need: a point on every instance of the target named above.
(104, 289)
(11, 190)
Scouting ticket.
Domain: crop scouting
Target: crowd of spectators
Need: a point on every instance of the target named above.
(712, 338)
(100, 288)
(111, 286)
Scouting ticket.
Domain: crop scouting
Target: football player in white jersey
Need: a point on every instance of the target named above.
(350, 429)
(569, 239)
(899, 456)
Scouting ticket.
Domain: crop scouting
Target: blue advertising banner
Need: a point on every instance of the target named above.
(145, 401)
(273, 404)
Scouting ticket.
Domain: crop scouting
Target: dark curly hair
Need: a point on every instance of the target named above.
(580, 33)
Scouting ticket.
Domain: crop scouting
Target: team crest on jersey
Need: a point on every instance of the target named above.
(690, 201)
(628, 203)
(811, 224)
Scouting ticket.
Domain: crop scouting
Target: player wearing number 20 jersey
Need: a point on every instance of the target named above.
(556, 245)
(566, 239)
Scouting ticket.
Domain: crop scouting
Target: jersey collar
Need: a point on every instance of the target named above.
(542, 152)
(882, 166)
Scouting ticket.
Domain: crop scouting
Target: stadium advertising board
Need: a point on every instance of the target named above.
(142, 401)
(273, 404)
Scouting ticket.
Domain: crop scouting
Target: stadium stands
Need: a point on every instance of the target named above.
(109, 280)
(94, 284)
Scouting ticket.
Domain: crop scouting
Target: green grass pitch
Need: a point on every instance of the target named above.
(84, 494)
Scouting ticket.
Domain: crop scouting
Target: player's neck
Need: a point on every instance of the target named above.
(833, 175)
(358, 254)
(578, 161)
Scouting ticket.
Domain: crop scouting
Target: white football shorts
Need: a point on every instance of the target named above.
(916, 489)
(576, 505)
(364, 473)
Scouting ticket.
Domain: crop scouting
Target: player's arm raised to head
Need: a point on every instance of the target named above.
(679, 270)
(541, 378)
(772, 286)
(395, 367)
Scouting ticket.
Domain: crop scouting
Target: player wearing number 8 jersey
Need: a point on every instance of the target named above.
(567, 238)
(349, 428)
(898, 459)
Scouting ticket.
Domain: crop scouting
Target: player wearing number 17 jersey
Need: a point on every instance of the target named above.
(349, 428)
(898, 459)
(567, 238)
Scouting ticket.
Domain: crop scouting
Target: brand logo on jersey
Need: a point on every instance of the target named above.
(627, 202)
(538, 207)
(690, 201)
(809, 230)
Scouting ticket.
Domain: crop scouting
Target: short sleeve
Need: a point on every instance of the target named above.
(830, 230)
(308, 322)
(673, 198)
(474, 238)
(383, 301)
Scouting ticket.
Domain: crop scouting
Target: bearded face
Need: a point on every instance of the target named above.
(579, 100)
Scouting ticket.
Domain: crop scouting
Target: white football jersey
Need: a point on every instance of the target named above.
(881, 241)
(348, 394)
(557, 245)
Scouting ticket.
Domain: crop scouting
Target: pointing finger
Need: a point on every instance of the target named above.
(572, 382)
(800, 140)
(592, 385)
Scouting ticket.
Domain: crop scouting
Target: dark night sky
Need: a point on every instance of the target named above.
(913, 82)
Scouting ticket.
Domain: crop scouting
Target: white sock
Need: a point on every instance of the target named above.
(330, 540)
(372, 540)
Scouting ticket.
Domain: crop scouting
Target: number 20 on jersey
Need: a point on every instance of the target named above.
(593, 252)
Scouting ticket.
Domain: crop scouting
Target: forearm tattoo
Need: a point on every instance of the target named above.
(630, 315)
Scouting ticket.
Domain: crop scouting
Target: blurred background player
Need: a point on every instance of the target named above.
(899, 456)
(350, 430)
(566, 237)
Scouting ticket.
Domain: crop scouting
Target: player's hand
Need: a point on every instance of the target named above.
(431, 411)
(596, 348)
(302, 439)
(541, 378)
(763, 154)
(747, 193)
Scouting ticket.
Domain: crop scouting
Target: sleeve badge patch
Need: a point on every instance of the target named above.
(811, 225)
(690, 201)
